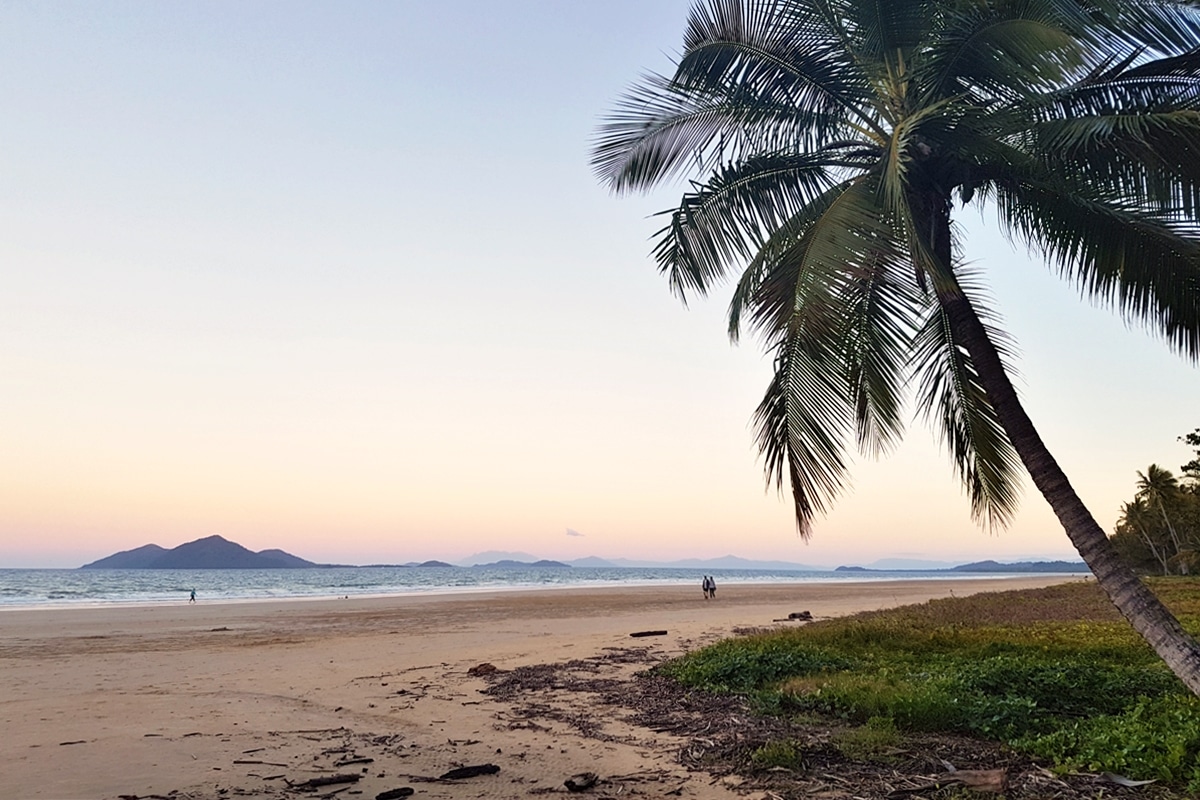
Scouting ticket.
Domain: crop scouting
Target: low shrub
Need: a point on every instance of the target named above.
(920, 705)
(1154, 739)
(750, 664)
(874, 741)
(782, 753)
(1050, 672)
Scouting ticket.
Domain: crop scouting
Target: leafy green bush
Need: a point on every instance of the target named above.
(746, 665)
(1017, 696)
(1049, 671)
(782, 753)
(873, 741)
(1069, 686)
(921, 705)
(1157, 739)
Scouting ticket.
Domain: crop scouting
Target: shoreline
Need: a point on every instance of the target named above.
(854, 578)
(193, 699)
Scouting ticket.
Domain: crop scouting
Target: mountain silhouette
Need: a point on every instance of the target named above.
(211, 552)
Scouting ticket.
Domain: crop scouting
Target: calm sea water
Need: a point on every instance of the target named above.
(51, 588)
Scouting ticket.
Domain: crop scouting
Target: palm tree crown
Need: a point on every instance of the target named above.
(833, 138)
(828, 144)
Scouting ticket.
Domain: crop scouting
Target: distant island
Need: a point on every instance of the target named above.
(508, 563)
(211, 552)
(217, 552)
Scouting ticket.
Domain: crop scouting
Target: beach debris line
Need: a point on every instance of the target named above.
(640, 634)
(581, 782)
(469, 772)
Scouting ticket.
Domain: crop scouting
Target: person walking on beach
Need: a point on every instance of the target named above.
(706, 585)
(192, 599)
(712, 587)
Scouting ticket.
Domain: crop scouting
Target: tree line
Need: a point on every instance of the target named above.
(1159, 529)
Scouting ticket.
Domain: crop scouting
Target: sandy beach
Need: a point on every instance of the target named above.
(252, 699)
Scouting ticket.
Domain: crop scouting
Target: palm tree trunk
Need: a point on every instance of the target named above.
(1133, 599)
(1160, 558)
(1141, 607)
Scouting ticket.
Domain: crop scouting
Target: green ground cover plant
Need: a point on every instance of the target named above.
(1052, 672)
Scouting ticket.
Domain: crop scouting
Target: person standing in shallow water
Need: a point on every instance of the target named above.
(192, 599)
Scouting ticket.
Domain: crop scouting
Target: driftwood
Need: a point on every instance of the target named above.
(329, 780)
(395, 794)
(581, 782)
(469, 772)
(981, 780)
(483, 669)
(640, 634)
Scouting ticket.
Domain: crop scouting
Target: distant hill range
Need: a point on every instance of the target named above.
(216, 552)
(211, 552)
(993, 567)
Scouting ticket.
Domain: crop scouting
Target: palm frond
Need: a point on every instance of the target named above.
(1130, 134)
(659, 132)
(726, 220)
(801, 425)
(952, 399)
(766, 292)
(833, 276)
(884, 31)
(1002, 50)
(1164, 25)
(881, 302)
(779, 54)
(1146, 267)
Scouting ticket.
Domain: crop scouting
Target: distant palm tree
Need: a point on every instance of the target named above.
(1138, 520)
(830, 142)
(1157, 488)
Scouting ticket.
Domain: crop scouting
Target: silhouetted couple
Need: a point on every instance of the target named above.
(709, 585)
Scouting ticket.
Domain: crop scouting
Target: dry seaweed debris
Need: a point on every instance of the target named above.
(721, 734)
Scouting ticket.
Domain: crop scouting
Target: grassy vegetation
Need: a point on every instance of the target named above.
(1052, 672)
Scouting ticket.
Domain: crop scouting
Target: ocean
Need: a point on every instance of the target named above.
(61, 588)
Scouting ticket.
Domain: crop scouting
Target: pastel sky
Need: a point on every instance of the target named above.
(337, 278)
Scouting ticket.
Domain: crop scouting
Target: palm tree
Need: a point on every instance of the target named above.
(1137, 523)
(829, 142)
(1158, 488)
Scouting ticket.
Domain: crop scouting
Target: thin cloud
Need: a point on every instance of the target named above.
(573, 532)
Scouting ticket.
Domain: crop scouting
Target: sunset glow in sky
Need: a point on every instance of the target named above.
(337, 278)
